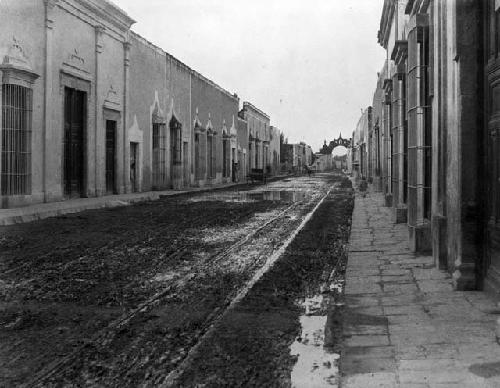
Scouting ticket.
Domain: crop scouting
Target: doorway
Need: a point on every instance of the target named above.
(490, 271)
(133, 167)
(110, 156)
(74, 127)
(185, 162)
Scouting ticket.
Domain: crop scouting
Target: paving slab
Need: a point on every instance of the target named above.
(403, 324)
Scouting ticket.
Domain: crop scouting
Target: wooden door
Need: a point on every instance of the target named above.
(491, 258)
(74, 126)
(110, 156)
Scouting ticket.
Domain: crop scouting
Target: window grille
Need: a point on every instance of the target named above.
(226, 168)
(159, 156)
(419, 118)
(176, 139)
(257, 165)
(197, 156)
(210, 155)
(16, 140)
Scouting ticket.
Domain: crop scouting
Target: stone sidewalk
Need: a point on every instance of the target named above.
(404, 326)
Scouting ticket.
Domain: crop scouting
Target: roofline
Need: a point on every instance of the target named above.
(193, 72)
(253, 107)
(108, 11)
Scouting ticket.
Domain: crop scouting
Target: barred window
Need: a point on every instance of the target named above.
(16, 140)
(210, 156)
(176, 141)
(159, 156)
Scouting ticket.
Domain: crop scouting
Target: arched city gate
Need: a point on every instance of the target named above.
(327, 149)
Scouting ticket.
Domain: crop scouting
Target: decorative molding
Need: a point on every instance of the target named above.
(209, 126)
(75, 66)
(50, 4)
(387, 86)
(157, 115)
(74, 81)
(233, 131)
(400, 51)
(49, 12)
(16, 56)
(16, 64)
(126, 51)
(109, 12)
(112, 100)
(99, 31)
(197, 125)
(135, 133)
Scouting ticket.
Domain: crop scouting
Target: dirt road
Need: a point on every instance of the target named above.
(129, 296)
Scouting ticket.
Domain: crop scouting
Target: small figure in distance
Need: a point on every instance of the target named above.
(363, 185)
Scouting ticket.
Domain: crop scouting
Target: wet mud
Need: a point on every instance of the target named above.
(118, 297)
(286, 331)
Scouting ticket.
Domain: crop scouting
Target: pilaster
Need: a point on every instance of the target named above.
(399, 55)
(48, 100)
(387, 142)
(126, 141)
(418, 125)
(99, 182)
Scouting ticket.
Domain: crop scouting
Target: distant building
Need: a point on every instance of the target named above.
(296, 157)
(323, 162)
(361, 162)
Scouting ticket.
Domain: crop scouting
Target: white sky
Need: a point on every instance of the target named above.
(310, 64)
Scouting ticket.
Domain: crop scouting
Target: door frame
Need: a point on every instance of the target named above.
(112, 190)
(84, 151)
(72, 82)
(110, 115)
(134, 151)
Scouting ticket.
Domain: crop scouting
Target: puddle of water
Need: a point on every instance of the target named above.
(316, 366)
(252, 196)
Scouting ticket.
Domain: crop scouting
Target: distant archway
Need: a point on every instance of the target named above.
(340, 141)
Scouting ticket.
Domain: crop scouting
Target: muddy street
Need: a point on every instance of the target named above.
(220, 288)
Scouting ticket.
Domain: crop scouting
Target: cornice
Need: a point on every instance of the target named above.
(252, 107)
(386, 21)
(387, 84)
(400, 51)
(108, 11)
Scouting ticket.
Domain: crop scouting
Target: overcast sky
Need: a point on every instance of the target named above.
(310, 64)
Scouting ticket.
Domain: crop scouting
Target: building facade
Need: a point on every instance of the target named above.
(361, 161)
(296, 157)
(436, 152)
(90, 108)
(323, 162)
(263, 140)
